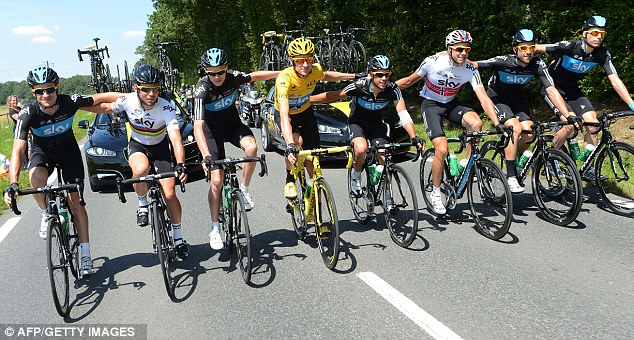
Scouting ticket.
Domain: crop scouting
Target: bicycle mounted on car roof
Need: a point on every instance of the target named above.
(101, 79)
(164, 63)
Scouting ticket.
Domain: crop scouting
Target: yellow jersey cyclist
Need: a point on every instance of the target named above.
(216, 121)
(371, 95)
(293, 88)
(444, 75)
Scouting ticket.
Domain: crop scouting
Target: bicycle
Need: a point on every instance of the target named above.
(486, 185)
(356, 49)
(396, 189)
(316, 204)
(234, 221)
(614, 164)
(270, 57)
(287, 38)
(555, 179)
(164, 62)
(101, 76)
(62, 241)
(160, 224)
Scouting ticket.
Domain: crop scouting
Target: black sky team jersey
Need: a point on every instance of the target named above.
(216, 104)
(365, 107)
(49, 132)
(573, 63)
(509, 77)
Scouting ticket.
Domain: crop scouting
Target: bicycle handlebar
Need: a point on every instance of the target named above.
(77, 187)
(475, 134)
(221, 162)
(147, 179)
(390, 146)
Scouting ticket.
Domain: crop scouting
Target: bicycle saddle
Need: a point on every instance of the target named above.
(269, 33)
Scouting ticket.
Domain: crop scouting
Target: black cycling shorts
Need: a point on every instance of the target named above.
(305, 124)
(575, 101)
(434, 114)
(217, 134)
(380, 133)
(509, 107)
(160, 155)
(69, 160)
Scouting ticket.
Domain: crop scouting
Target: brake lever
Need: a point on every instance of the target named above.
(263, 168)
(14, 203)
(120, 191)
(80, 191)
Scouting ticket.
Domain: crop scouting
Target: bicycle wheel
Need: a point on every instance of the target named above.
(57, 267)
(353, 59)
(325, 54)
(161, 240)
(615, 171)
(557, 187)
(358, 46)
(73, 247)
(400, 206)
(427, 183)
(242, 236)
(338, 58)
(166, 66)
(326, 223)
(362, 204)
(263, 64)
(490, 151)
(490, 199)
(297, 209)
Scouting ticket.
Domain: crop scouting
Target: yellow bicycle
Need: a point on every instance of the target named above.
(316, 204)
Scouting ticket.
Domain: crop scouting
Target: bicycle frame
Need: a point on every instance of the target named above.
(375, 151)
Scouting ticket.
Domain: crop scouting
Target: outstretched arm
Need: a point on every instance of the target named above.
(327, 97)
(335, 76)
(263, 75)
(408, 81)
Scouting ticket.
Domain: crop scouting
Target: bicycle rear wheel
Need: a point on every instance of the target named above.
(557, 187)
(75, 253)
(427, 183)
(358, 46)
(57, 267)
(400, 206)
(490, 199)
(170, 78)
(161, 240)
(489, 150)
(326, 223)
(362, 204)
(615, 173)
(297, 210)
(242, 236)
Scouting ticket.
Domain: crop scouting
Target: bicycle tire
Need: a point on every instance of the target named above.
(325, 54)
(276, 58)
(362, 205)
(618, 195)
(353, 59)
(57, 267)
(263, 61)
(326, 219)
(494, 200)
(242, 236)
(297, 210)
(338, 58)
(166, 66)
(162, 245)
(361, 51)
(397, 218)
(490, 151)
(557, 187)
(74, 251)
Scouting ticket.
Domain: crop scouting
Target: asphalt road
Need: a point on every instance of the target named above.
(540, 282)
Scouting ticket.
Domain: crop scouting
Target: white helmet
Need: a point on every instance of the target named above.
(458, 36)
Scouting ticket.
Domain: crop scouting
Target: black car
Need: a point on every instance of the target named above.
(107, 140)
(332, 122)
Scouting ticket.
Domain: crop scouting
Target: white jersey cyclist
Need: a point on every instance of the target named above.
(443, 79)
(148, 125)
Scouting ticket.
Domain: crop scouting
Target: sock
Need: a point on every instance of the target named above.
(177, 231)
(510, 168)
(436, 191)
(43, 212)
(143, 201)
(85, 249)
(355, 174)
(289, 177)
(309, 182)
(244, 188)
(215, 225)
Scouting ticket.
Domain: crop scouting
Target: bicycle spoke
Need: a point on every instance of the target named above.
(326, 223)
(490, 199)
(400, 206)
(162, 242)
(242, 237)
(57, 268)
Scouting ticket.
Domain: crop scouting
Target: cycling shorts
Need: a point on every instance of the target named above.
(69, 160)
(575, 102)
(218, 134)
(380, 133)
(509, 107)
(160, 155)
(304, 124)
(434, 114)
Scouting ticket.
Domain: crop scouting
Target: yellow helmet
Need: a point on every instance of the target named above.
(300, 46)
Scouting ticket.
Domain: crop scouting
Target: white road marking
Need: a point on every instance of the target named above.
(423, 319)
(8, 226)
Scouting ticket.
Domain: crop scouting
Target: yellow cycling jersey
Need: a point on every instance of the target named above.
(289, 87)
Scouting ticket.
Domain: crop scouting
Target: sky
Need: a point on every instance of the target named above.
(34, 32)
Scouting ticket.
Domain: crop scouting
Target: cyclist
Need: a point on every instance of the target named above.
(510, 74)
(444, 76)
(574, 60)
(370, 96)
(150, 116)
(217, 121)
(49, 118)
(293, 88)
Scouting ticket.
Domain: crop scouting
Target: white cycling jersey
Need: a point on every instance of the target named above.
(148, 126)
(443, 79)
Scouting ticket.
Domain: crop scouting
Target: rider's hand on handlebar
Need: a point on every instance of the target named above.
(418, 142)
(291, 151)
(181, 172)
(575, 120)
(207, 160)
(13, 188)
(503, 129)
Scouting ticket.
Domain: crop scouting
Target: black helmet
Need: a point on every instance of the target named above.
(379, 62)
(42, 75)
(524, 35)
(214, 57)
(147, 74)
(595, 21)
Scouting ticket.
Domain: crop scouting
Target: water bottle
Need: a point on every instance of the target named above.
(373, 177)
(587, 151)
(307, 191)
(453, 166)
(63, 219)
(524, 158)
(574, 150)
(462, 164)
(227, 193)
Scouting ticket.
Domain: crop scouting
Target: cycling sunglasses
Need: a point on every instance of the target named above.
(382, 74)
(303, 60)
(219, 73)
(148, 89)
(596, 33)
(460, 49)
(48, 90)
(525, 48)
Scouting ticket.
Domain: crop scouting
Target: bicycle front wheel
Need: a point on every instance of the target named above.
(615, 178)
(326, 223)
(400, 206)
(161, 241)
(297, 209)
(362, 203)
(557, 187)
(242, 236)
(490, 199)
(57, 267)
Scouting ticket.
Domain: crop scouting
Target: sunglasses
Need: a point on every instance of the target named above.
(596, 33)
(148, 89)
(219, 73)
(48, 90)
(460, 49)
(303, 60)
(525, 48)
(382, 74)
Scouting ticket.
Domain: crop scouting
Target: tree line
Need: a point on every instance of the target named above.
(74, 84)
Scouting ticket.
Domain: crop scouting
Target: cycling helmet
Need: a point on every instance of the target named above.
(379, 62)
(213, 57)
(595, 21)
(458, 36)
(300, 46)
(42, 75)
(147, 74)
(523, 36)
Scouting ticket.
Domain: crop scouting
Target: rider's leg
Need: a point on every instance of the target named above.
(250, 148)
(174, 209)
(471, 121)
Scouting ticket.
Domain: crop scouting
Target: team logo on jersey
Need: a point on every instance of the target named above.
(143, 122)
(577, 66)
(169, 108)
(222, 102)
(74, 97)
(517, 79)
(54, 129)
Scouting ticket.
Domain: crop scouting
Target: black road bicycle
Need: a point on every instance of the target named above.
(101, 78)
(164, 63)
